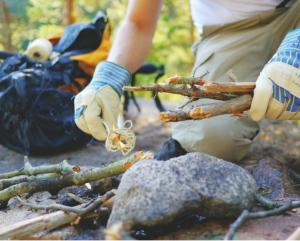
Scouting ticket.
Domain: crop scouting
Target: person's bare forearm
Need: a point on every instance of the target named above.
(100, 102)
(131, 47)
(134, 37)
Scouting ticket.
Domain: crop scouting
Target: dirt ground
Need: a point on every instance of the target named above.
(274, 161)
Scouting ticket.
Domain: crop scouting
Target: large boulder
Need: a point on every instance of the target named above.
(154, 192)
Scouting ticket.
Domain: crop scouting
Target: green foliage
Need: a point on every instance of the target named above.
(173, 38)
(16, 8)
(171, 45)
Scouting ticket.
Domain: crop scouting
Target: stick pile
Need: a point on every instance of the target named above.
(236, 97)
(53, 178)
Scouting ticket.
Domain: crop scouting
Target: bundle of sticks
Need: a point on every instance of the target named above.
(236, 97)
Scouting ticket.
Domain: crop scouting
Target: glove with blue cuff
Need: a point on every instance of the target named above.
(100, 101)
(277, 92)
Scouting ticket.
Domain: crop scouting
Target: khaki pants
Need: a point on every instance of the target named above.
(242, 48)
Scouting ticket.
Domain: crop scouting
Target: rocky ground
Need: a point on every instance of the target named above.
(274, 162)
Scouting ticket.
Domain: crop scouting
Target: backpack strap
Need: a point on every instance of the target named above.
(283, 4)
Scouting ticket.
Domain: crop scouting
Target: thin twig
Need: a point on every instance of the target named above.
(245, 215)
(54, 206)
(265, 202)
(76, 198)
(47, 222)
(80, 211)
(233, 227)
(229, 87)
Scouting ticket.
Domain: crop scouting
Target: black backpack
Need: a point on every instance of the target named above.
(36, 112)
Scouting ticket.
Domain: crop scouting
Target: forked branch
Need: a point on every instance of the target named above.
(234, 106)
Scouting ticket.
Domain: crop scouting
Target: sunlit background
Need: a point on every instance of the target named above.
(25, 20)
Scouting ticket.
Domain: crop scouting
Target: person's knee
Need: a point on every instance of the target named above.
(226, 137)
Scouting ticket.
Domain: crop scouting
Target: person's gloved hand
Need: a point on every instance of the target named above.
(100, 100)
(277, 92)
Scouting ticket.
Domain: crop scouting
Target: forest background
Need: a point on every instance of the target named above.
(21, 21)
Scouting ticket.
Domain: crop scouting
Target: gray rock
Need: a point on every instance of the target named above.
(269, 179)
(154, 192)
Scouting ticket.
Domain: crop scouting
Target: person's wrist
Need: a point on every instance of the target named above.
(111, 74)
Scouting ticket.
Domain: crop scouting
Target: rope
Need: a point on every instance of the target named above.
(122, 139)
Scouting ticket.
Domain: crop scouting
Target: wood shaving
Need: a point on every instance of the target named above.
(120, 139)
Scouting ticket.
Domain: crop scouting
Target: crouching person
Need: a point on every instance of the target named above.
(256, 41)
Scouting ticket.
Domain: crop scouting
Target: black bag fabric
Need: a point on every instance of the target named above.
(36, 116)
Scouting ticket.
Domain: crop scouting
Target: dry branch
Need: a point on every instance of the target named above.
(199, 88)
(229, 87)
(51, 221)
(194, 91)
(34, 225)
(228, 91)
(233, 106)
(237, 97)
(53, 181)
(214, 87)
(267, 203)
(245, 215)
(78, 210)
(76, 198)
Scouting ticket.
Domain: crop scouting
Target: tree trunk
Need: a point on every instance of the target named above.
(70, 12)
(6, 31)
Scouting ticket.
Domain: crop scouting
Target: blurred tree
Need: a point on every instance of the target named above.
(5, 27)
(29, 19)
(69, 12)
(45, 18)
(173, 39)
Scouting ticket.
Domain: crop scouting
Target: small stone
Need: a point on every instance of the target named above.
(153, 192)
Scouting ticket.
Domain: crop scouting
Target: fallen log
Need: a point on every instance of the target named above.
(234, 106)
(54, 181)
